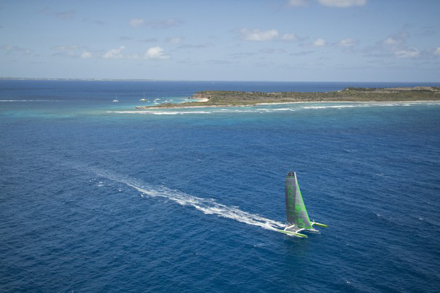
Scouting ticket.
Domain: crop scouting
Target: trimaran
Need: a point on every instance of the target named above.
(297, 217)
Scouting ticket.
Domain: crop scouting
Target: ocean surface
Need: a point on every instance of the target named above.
(98, 197)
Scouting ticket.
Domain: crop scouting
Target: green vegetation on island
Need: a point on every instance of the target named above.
(351, 94)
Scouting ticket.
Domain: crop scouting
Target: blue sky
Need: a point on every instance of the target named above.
(262, 40)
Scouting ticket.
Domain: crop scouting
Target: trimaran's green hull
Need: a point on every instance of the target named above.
(290, 233)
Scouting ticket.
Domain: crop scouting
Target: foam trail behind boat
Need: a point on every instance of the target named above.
(207, 206)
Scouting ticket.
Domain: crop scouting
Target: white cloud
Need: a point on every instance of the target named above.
(347, 42)
(136, 22)
(258, 35)
(65, 48)
(6, 47)
(174, 40)
(164, 24)
(391, 41)
(342, 3)
(395, 46)
(65, 51)
(288, 37)
(437, 51)
(114, 53)
(298, 3)
(319, 43)
(86, 55)
(156, 53)
(395, 40)
(408, 53)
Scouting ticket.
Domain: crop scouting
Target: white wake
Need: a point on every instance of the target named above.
(206, 206)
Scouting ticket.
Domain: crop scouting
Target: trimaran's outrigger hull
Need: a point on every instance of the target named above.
(296, 234)
(297, 217)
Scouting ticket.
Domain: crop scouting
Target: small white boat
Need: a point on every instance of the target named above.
(115, 101)
(144, 99)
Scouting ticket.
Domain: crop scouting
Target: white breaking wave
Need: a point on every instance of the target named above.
(161, 113)
(369, 104)
(206, 206)
(221, 111)
(333, 107)
(274, 109)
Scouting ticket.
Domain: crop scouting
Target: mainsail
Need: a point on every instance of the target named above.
(295, 209)
(297, 217)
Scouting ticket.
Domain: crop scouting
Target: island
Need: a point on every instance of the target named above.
(350, 94)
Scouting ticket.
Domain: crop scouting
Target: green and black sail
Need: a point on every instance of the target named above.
(295, 208)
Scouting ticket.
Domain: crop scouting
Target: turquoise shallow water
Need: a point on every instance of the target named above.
(97, 197)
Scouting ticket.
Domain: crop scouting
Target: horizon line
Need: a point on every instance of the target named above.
(194, 80)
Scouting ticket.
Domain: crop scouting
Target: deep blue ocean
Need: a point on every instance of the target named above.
(96, 196)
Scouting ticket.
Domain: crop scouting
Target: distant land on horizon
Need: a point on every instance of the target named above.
(349, 94)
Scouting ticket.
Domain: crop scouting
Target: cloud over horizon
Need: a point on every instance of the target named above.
(319, 43)
(156, 53)
(329, 3)
(178, 39)
(342, 3)
(155, 24)
(257, 35)
(298, 3)
(86, 55)
(137, 22)
(114, 53)
(349, 42)
(407, 53)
